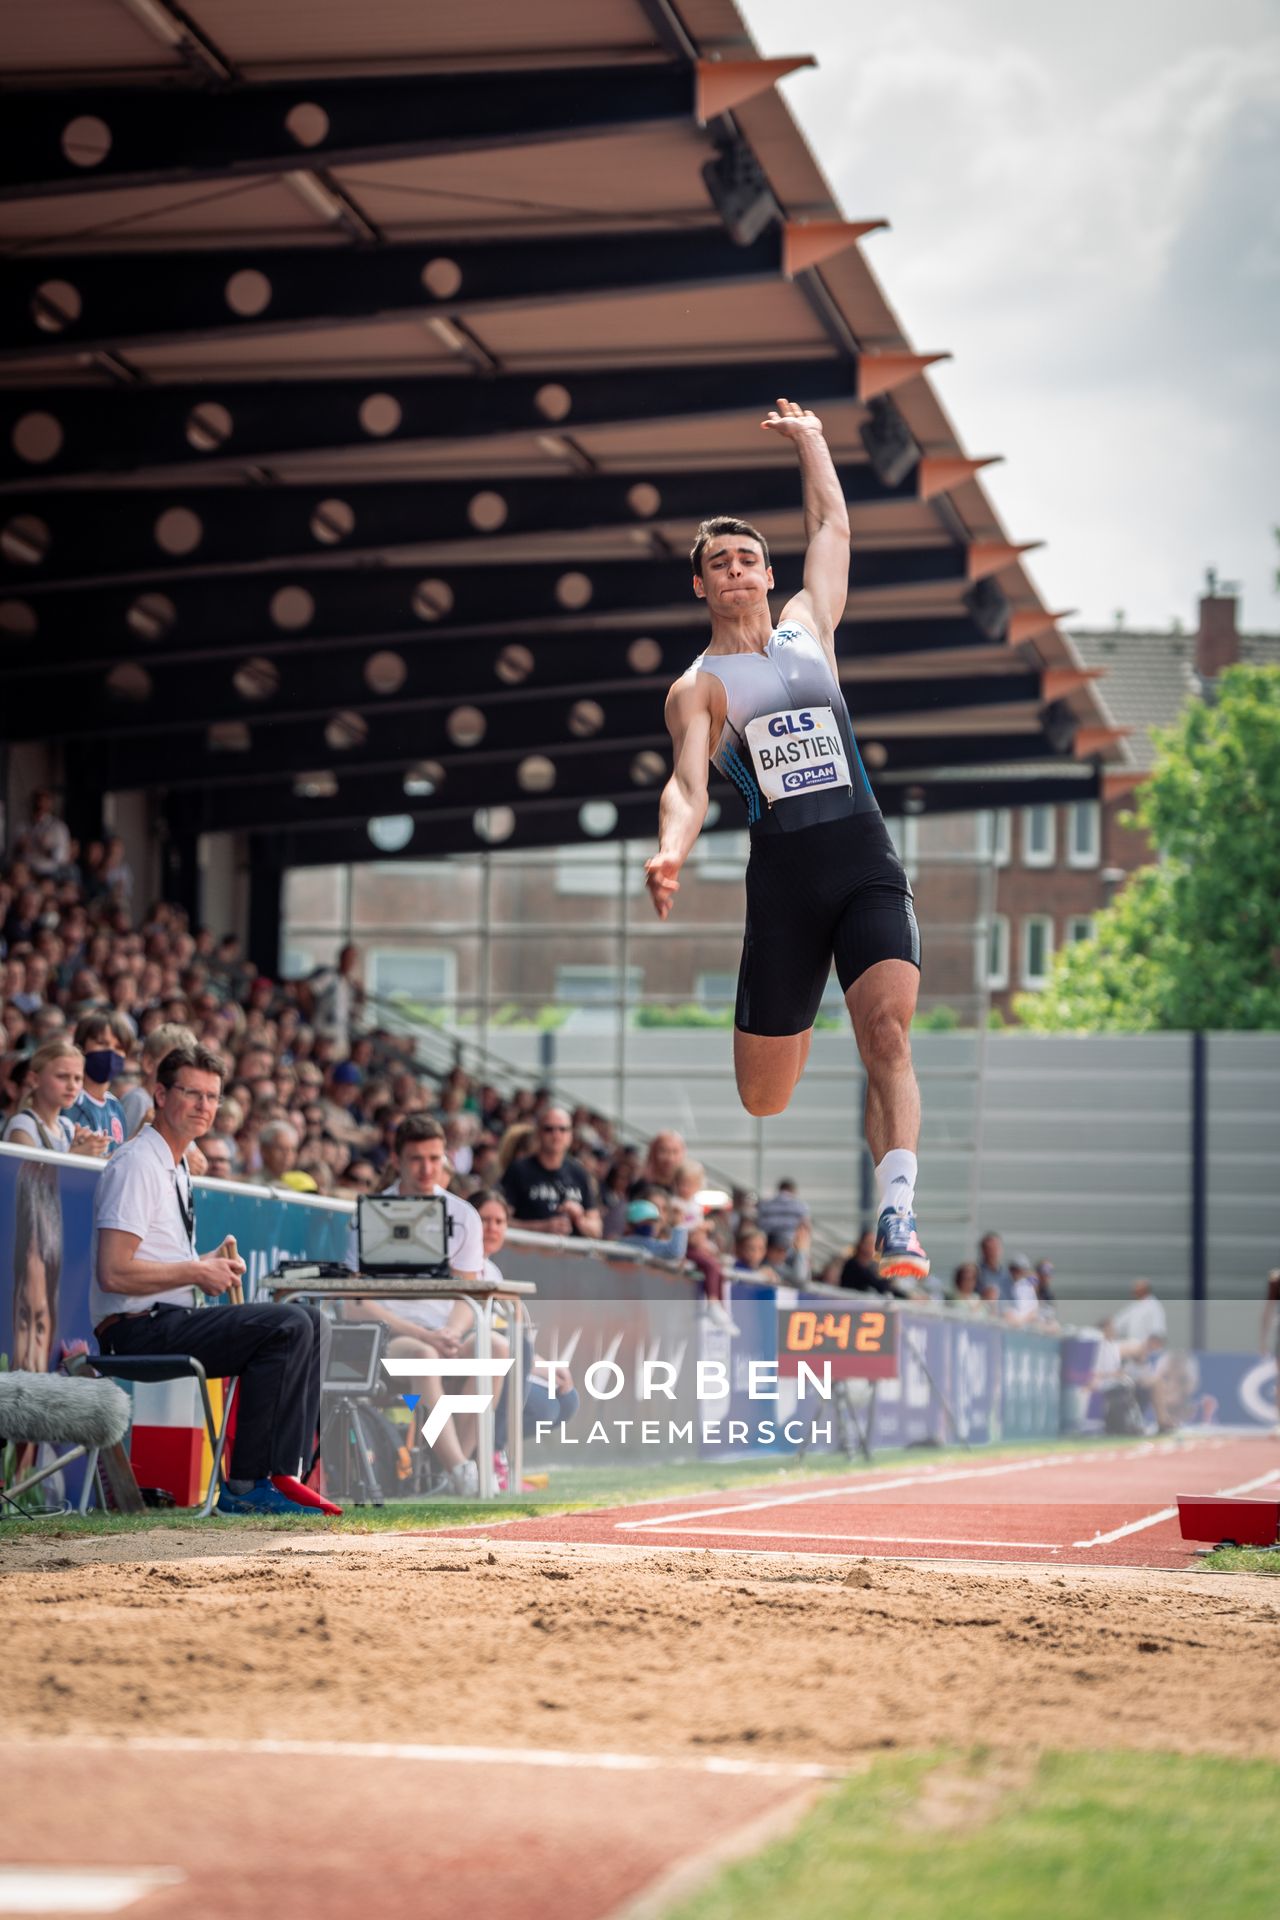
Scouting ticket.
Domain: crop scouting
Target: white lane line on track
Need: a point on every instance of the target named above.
(1171, 1513)
(59, 1889)
(847, 1490)
(881, 1539)
(548, 1757)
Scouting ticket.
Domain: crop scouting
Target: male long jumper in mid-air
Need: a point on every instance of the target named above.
(763, 705)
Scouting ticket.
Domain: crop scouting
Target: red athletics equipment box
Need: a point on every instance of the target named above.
(1218, 1517)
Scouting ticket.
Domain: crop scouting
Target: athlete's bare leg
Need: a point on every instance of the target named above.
(768, 1066)
(881, 1002)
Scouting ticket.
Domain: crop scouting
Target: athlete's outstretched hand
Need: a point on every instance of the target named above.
(660, 878)
(792, 420)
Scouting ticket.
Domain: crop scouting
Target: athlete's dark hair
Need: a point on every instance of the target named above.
(724, 523)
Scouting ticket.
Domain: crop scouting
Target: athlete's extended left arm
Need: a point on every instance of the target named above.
(826, 520)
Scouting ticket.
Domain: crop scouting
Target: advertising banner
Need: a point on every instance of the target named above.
(1030, 1386)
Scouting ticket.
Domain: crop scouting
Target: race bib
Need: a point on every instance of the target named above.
(797, 751)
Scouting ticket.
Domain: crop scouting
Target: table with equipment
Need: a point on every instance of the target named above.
(299, 1280)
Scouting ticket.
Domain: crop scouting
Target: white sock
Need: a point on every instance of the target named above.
(896, 1179)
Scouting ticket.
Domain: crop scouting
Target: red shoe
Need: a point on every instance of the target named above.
(292, 1488)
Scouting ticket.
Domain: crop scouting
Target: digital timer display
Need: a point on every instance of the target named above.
(858, 1343)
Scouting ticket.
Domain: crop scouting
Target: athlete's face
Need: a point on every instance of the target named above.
(734, 577)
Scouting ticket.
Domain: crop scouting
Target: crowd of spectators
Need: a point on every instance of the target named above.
(94, 993)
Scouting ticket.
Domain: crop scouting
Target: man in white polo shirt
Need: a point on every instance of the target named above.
(149, 1284)
(421, 1327)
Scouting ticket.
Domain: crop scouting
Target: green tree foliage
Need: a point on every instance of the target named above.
(1194, 940)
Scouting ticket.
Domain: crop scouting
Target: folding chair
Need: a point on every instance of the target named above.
(152, 1367)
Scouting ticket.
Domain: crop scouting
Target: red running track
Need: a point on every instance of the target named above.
(1097, 1507)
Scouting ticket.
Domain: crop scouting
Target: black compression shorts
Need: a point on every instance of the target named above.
(836, 890)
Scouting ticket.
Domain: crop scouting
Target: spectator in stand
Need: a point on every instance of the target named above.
(53, 1082)
(117, 874)
(861, 1271)
(102, 1040)
(219, 1156)
(964, 1287)
(278, 1148)
(789, 1260)
(44, 846)
(1024, 1297)
(1142, 1328)
(337, 1000)
(647, 1220)
(138, 1103)
(664, 1159)
(783, 1213)
(549, 1392)
(1044, 1281)
(992, 1271)
(550, 1191)
(748, 1254)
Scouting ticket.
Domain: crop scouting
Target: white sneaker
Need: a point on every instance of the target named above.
(464, 1480)
(719, 1316)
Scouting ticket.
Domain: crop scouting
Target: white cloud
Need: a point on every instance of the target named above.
(1084, 211)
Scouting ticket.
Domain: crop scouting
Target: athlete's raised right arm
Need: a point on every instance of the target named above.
(683, 807)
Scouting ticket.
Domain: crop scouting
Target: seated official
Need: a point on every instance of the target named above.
(150, 1286)
(420, 1328)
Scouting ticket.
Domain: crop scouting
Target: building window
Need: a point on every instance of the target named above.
(591, 986)
(995, 835)
(993, 963)
(1037, 949)
(722, 856)
(427, 976)
(1037, 836)
(1079, 927)
(1084, 833)
(598, 871)
(716, 991)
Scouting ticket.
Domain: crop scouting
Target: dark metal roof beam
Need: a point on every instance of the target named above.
(73, 140)
(122, 532)
(290, 610)
(75, 430)
(85, 300)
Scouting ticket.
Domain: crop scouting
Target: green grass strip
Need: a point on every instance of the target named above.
(1078, 1837)
(1243, 1560)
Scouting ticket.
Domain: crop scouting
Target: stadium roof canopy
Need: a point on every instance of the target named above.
(363, 372)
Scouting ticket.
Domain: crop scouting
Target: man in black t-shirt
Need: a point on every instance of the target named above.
(550, 1191)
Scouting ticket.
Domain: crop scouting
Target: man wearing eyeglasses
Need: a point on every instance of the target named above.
(550, 1191)
(149, 1285)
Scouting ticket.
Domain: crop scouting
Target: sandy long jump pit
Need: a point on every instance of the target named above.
(556, 1724)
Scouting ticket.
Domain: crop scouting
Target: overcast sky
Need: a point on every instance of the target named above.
(1085, 203)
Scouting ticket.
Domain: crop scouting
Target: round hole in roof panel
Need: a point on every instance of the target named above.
(573, 591)
(442, 278)
(513, 664)
(553, 401)
(25, 540)
(585, 718)
(55, 306)
(380, 414)
(152, 616)
(643, 499)
(228, 736)
(18, 620)
(494, 824)
(331, 521)
(256, 679)
(424, 779)
(129, 681)
(307, 123)
(391, 832)
(536, 773)
(208, 426)
(36, 437)
(597, 818)
(487, 511)
(345, 730)
(466, 726)
(248, 293)
(432, 599)
(385, 672)
(873, 754)
(292, 608)
(178, 531)
(644, 656)
(318, 785)
(86, 140)
(648, 768)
